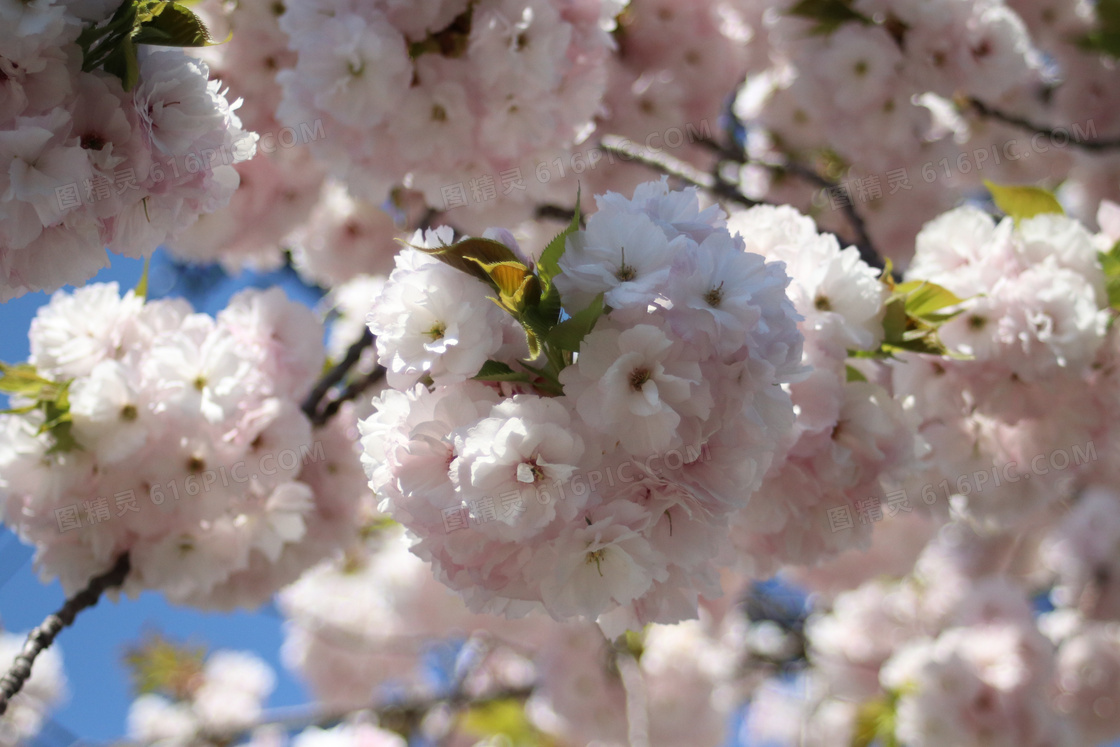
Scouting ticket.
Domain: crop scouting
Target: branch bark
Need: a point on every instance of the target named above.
(313, 404)
(736, 154)
(990, 112)
(675, 168)
(41, 638)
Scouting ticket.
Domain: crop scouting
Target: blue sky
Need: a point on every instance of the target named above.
(93, 648)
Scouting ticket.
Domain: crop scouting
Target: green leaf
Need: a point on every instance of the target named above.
(534, 341)
(527, 297)
(536, 331)
(1110, 264)
(549, 382)
(505, 718)
(173, 25)
(123, 63)
(854, 374)
(23, 379)
(894, 320)
(829, 14)
(498, 371)
(549, 263)
(469, 255)
(1105, 39)
(508, 275)
(20, 410)
(1023, 201)
(99, 39)
(568, 334)
(875, 720)
(549, 305)
(924, 299)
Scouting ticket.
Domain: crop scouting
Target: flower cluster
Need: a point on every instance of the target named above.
(596, 478)
(175, 437)
(951, 655)
(850, 434)
(443, 92)
(90, 158)
(359, 630)
(1027, 377)
(902, 74)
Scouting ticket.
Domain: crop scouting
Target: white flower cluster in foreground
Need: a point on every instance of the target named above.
(600, 485)
(85, 164)
(177, 438)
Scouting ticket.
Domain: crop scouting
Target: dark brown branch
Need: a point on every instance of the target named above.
(862, 240)
(41, 638)
(555, 212)
(676, 169)
(335, 376)
(351, 391)
(990, 112)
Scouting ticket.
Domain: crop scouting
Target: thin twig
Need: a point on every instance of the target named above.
(337, 373)
(867, 250)
(41, 638)
(736, 154)
(676, 169)
(990, 112)
(352, 390)
(555, 212)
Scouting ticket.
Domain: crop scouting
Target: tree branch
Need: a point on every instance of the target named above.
(333, 377)
(862, 241)
(555, 212)
(41, 638)
(983, 110)
(351, 391)
(675, 168)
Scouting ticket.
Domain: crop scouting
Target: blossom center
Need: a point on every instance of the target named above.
(93, 142)
(714, 297)
(596, 557)
(529, 472)
(625, 273)
(129, 413)
(821, 303)
(437, 331)
(638, 378)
